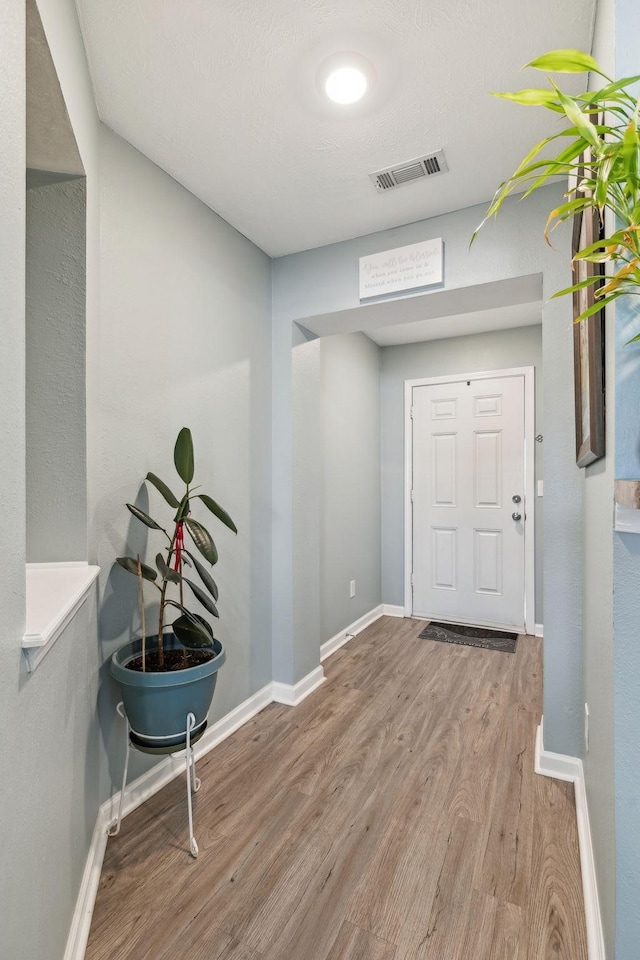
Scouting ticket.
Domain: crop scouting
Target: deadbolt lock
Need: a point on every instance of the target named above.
(516, 498)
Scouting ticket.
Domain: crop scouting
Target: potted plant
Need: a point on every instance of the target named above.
(600, 152)
(172, 673)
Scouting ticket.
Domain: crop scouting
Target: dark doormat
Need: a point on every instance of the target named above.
(487, 638)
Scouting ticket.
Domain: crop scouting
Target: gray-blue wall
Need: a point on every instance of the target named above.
(48, 760)
(598, 597)
(350, 543)
(55, 365)
(626, 578)
(182, 339)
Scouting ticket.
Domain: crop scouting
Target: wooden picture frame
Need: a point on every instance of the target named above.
(588, 345)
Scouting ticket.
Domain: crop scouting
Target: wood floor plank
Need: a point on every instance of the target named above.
(396, 887)
(439, 935)
(355, 944)
(555, 915)
(527, 687)
(506, 868)
(393, 815)
(493, 930)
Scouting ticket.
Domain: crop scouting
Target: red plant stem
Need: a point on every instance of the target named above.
(143, 616)
(162, 602)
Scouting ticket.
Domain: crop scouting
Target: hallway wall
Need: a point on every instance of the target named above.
(182, 340)
(178, 332)
(598, 594)
(350, 547)
(49, 754)
(626, 574)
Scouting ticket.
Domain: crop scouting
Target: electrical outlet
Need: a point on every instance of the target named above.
(586, 727)
(352, 589)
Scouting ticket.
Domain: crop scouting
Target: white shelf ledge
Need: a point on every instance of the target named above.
(55, 593)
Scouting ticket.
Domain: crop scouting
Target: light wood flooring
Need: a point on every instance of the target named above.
(394, 815)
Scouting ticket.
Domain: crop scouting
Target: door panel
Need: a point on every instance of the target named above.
(443, 448)
(468, 463)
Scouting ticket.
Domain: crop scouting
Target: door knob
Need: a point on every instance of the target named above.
(516, 516)
(516, 498)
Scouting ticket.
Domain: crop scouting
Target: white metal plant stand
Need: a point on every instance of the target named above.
(193, 783)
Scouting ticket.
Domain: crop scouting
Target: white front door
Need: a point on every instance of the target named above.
(468, 525)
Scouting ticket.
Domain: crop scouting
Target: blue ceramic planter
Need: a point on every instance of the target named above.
(157, 704)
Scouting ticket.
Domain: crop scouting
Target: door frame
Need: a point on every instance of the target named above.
(529, 473)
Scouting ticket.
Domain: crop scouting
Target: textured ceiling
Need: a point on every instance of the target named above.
(222, 95)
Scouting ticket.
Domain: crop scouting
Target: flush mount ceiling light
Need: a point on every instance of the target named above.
(345, 77)
(346, 85)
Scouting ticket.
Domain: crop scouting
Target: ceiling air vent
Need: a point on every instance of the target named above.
(410, 171)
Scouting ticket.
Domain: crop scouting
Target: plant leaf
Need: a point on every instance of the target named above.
(144, 517)
(162, 488)
(577, 286)
(183, 509)
(565, 61)
(166, 572)
(580, 120)
(202, 539)
(190, 629)
(595, 307)
(205, 576)
(131, 566)
(217, 510)
(203, 597)
(183, 455)
(532, 97)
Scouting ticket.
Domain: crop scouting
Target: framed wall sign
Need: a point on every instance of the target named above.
(405, 268)
(588, 345)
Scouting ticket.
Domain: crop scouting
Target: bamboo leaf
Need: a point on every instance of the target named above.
(566, 61)
(598, 258)
(165, 571)
(602, 182)
(577, 286)
(607, 92)
(205, 576)
(183, 455)
(630, 148)
(202, 539)
(217, 510)
(143, 517)
(162, 488)
(563, 211)
(131, 566)
(580, 120)
(595, 308)
(532, 98)
(204, 598)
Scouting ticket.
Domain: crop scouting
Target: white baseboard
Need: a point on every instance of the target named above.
(563, 767)
(538, 630)
(339, 640)
(292, 694)
(81, 921)
(392, 610)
